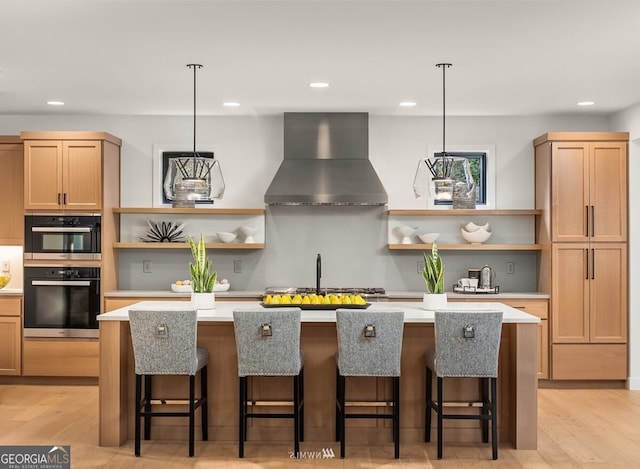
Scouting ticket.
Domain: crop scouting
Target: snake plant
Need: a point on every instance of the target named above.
(433, 272)
(202, 277)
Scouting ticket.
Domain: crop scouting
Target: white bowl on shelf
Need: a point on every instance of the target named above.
(226, 237)
(471, 226)
(475, 237)
(181, 288)
(428, 238)
(221, 287)
(406, 232)
(248, 232)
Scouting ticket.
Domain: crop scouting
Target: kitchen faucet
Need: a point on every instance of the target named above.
(318, 273)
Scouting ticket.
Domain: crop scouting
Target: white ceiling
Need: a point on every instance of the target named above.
(510, 57)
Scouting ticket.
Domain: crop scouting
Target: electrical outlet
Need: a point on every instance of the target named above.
(237, 266)
(511, 267)
(6, 266)
(146, 266)
(420, 267)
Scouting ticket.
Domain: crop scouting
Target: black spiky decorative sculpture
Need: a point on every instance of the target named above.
(164, 232)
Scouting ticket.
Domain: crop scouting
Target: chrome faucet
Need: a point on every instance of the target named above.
(318, 273)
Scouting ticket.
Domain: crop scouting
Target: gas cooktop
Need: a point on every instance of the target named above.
(367, 292)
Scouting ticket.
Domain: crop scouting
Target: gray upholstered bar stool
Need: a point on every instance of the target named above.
(369, 344)
(268, 345)
(164, 343)
(467, 345)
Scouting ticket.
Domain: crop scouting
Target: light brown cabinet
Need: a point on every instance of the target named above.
(584, 179)
(63, 175)
(11, 170)
(581, 187)
(61, 357)
(70, 170)
(10, 335)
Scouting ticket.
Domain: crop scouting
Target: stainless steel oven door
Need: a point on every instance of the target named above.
(61, 308)
(49, 237)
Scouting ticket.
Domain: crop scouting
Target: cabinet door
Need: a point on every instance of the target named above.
(42, 174)
(11, 175)
(570, 293)
(82, 175)
(10, 345)
(608, 293)
(569, 191)
(608, 191)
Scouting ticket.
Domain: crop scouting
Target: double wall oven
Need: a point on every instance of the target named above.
(62, 299)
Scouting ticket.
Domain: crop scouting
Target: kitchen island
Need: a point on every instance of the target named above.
(517, 379)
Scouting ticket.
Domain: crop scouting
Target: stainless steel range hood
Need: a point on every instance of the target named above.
(326, 162)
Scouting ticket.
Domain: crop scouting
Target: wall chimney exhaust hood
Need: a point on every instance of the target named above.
(326, 162)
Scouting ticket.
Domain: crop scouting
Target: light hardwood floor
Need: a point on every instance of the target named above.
(576, 429)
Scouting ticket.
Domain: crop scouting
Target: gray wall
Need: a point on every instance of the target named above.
(352, 240)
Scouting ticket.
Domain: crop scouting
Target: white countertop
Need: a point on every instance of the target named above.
(393, 295)
(10, 291)
(413, 312)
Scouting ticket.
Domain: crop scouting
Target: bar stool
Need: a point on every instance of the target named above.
(467, 345)
(268, 345)
(164, 343)
(369, 344)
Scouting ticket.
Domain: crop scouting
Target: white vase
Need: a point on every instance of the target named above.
(203, 300)
(433, 301)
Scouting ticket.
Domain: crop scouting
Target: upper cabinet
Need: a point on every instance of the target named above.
(11, 168)
(581, 180)
(66, 170)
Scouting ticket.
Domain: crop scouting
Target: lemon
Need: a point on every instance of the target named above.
(306, 300)
(346, 300)
(296, 300)
(326, 300)
(316, 300)
(285, 300)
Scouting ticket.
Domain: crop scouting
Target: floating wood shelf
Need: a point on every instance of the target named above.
(466, 213)
(191, 211)
(468, 247)
(186, 245)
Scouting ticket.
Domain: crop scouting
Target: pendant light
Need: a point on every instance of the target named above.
(444, 177)
(199, 177)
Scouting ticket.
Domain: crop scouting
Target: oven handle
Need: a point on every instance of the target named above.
(56, 283)
(61, 229)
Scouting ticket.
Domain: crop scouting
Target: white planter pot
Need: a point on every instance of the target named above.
(203, 300)
(433, 301)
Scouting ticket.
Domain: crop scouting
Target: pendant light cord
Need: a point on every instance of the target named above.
(444, 66)
(195, 67)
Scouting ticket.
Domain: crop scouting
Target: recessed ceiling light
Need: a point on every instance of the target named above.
(55, 103)
(319, 84)
(231, 104)
(407, 104)
(586, 103)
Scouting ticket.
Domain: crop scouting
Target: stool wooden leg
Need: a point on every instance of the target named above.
(242, 414)
(296, 415)
(342, 385)
(337, 404)
(301, 403)
(429, 402)
(485, 409)
(494, 418)
(138, 416)
(204, 407)
(440, 411)
(147, 407)
(192, 411)
(396, 416)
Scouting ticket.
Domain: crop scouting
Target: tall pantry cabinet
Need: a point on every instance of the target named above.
(581, 187)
